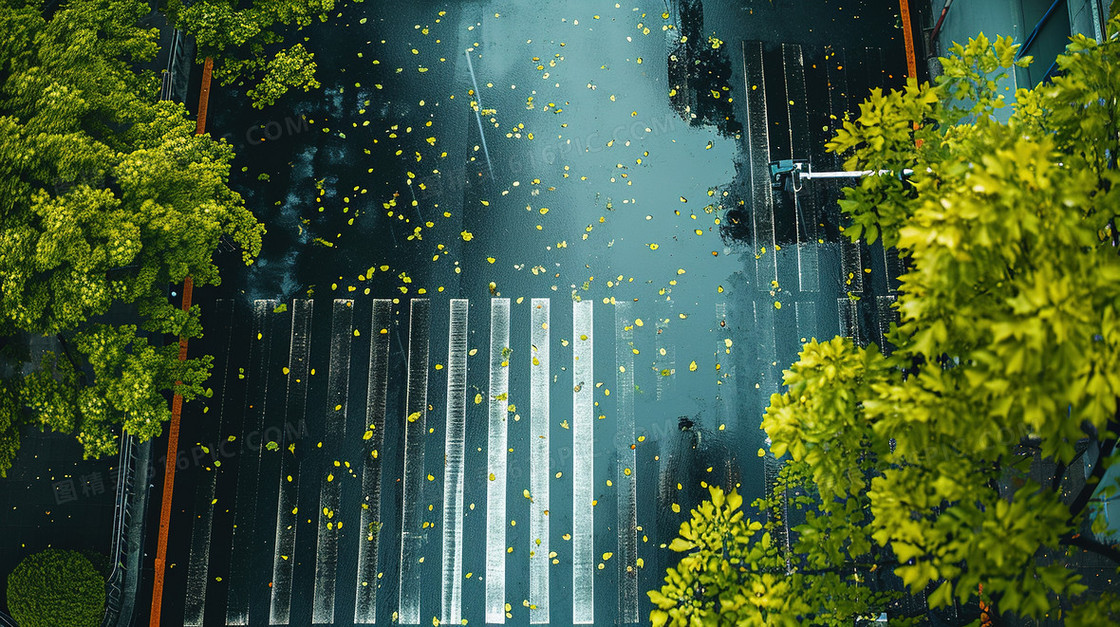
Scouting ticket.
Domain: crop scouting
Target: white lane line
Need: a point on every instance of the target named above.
(195, 601)
(769, 372)
(728, 391)
(365, 596)
(894, 268)
(454, 443)
(583, 471)
(627, 467)
(283, 558)
(805, 204)
(887, 315)
(851, 264)
(249, 464)
(496, 461)
(849, 319)
(758, 141)
(415, 426)
(805, 313)
(338, 386)
(539, 475)
(666, 358)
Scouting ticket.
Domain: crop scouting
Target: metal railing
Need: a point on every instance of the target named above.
(122, 523)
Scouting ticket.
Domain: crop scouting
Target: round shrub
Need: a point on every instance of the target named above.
(56, 588)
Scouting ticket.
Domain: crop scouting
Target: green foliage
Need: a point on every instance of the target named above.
(56, 588)
(106, 198)
(246, 41)
(738, 571)
(1008, 349)
(289, 69)
(10, 422)
(933, 461)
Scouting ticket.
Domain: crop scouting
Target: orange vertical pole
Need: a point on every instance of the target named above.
(908, 37)
(160, 565)
(204, 95)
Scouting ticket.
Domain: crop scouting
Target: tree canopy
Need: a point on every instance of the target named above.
(952, 467)
(247, 41)
(106, 198)
(56, 588)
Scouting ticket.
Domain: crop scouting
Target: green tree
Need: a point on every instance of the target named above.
(738, 571)
(952, 456)
(56, 588)
(11, 421)
(107, 198)
(246, 40)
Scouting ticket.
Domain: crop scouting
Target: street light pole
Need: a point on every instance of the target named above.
(798, 170)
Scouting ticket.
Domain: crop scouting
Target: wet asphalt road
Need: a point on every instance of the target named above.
(603, 160)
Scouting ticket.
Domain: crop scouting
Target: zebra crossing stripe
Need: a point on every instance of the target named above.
(498, 403)
(415, 427)
(365, 594)
(299, 357)
(249, 463)
(626, 475)
(338, 385)
(539, 337)
(583, 479)
(454, 445)
(197, 567)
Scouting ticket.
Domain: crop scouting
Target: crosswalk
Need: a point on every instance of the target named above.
(329, 512)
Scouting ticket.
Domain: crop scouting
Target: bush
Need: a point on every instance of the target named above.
(56, 588)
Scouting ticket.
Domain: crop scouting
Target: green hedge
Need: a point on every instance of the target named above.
(56, 588)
